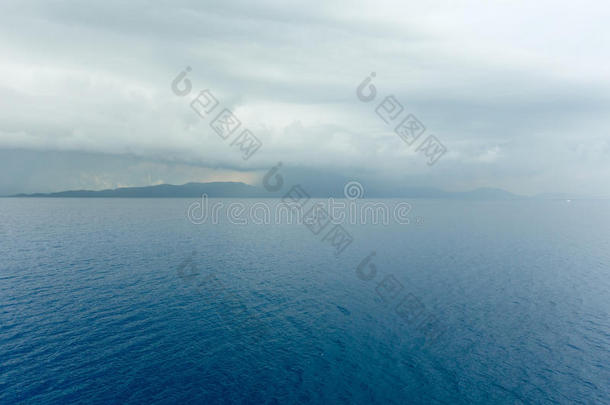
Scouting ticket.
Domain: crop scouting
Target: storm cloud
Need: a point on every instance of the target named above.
(518, 92)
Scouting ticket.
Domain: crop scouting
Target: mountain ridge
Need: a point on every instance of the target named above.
(243, 190)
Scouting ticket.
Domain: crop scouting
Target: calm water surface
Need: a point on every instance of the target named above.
(125, 301)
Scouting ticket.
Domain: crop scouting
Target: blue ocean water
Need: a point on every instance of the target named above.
(126, 301)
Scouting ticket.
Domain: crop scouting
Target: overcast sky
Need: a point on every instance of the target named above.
(517, 91)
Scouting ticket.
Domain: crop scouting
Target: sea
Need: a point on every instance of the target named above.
(130, 301)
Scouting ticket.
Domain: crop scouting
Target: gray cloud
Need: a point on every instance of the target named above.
(520, 100)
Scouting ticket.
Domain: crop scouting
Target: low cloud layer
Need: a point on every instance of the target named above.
(518, 92)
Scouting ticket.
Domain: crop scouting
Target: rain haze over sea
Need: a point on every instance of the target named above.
(332, 202)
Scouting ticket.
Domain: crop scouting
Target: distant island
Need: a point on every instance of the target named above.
(243, 190)
(214, 189)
